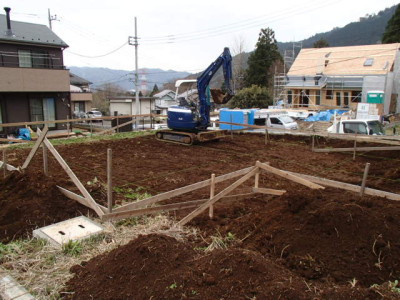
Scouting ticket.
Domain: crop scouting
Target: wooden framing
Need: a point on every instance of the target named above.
(90, 201)
(348, 186)
(289, 176)
(35, 147)
(355, 149)
(182, 190)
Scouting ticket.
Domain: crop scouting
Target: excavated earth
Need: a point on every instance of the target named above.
(305, 244)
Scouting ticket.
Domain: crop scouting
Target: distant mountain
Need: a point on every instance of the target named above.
(125, 79)
(367, 31)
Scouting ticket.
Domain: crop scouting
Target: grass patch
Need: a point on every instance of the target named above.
(136, 194)
(89, 139)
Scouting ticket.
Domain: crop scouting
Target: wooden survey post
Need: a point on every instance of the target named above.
(212, 193)
(109, 180)
(364, 180)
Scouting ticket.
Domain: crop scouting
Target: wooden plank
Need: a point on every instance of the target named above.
(14, 140)
(226, 191)
(389, 148)
(348, 186)
(289, 176)
(182, 190)
(19, 124)
(168, 207)
(35, 147)
(9, 167)
(73, 177)
(78, 198)
(269, 191)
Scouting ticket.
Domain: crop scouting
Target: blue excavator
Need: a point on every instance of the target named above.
(188, 121)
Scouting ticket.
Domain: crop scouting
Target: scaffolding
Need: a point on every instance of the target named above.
(280, 81)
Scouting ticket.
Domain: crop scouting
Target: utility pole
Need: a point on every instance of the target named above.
(133, 40)
(51, 18)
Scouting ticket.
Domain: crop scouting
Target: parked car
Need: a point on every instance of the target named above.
(79, 115)
(94, 114)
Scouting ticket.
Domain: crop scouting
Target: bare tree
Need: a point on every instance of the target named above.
(240, 62)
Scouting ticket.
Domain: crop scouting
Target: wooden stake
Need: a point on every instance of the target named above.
(366, 170)
(109, 180)
(68, 126)
(355, 149)
(266, 136)
(257, 179)
(45, 161)
(91, 128)
(212, 193)
(5, 162)
(312, 142)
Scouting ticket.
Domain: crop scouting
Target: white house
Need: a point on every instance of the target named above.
(163, 100)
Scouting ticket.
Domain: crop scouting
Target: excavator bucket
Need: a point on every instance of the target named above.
(219, 96)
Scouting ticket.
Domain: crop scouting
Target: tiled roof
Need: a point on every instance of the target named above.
(29, 33)
(353, 60)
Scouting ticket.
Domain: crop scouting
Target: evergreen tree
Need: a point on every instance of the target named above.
(392, 31)
(154, 91)
(321, 43)
(261, 60)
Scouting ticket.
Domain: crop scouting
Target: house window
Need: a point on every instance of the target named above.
(329, 95)
(33, 59)
(356, 96)
(289, 97)
(24, 57)
(43, 110)
(79, 106)
(338, 99)
(346, 98)
(40, 59)
(318, 97)
(368, 62)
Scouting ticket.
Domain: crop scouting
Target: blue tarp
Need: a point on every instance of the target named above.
(325, 115)
(24, 134)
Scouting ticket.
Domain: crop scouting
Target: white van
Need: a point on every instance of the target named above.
(274, 119)
(358, 126)
(282, 122)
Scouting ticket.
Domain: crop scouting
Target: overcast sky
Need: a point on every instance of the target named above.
(181, 35)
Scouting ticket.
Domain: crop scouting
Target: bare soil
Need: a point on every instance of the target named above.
(302, 245)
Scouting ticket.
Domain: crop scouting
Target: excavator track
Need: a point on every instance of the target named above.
(189, 138)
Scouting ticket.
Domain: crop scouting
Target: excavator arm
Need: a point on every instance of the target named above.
(203, 81)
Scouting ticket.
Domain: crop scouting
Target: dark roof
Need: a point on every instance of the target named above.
(29, 33)
(76, 80)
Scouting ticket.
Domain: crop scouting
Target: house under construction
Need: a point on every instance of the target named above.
(341, 77)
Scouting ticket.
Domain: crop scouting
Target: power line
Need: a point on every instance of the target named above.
(97, 56)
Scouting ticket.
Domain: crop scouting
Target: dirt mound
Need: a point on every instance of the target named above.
(29, 201)
(328, 235)
(160, 267)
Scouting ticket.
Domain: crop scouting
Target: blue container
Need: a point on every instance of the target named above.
(241, 116)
